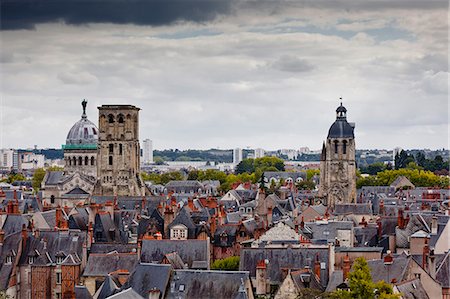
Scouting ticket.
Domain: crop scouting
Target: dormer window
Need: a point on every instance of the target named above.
(8, 260)
(178, 232)
(30, 260)
(59, 259)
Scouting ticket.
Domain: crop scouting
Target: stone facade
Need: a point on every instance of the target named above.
(337, 165)
(118, 167)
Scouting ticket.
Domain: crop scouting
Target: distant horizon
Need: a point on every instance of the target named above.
(249, 149)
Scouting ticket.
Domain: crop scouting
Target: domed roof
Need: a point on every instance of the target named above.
(83, 131)
(341, 128)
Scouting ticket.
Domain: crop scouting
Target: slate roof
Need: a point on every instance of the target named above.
(175, 260)
(337, 277)
(126, 294)
(397, 270)
(13, 224)
(443, 271)
(81, 292)
(110, 247)
(149, 276)
(200, 284)
(412, 289)
(108, 287)
(100, 264)
(366, 236)
(322, 230)
(53, 177)
(284, 258)
(50, 217)
(79, 220)
(10, 247)
(417, 222)
(352, 208)
(189, 250)
(341, 129)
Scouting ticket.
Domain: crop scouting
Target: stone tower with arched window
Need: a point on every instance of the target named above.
(118, 171)
(337, 165)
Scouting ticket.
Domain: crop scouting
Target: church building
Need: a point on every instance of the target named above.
(118, 168)
(338, 165)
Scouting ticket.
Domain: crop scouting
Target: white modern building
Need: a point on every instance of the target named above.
(30, 160)
(237, 156)
(259, 153)
(9, 159)
(147, 146)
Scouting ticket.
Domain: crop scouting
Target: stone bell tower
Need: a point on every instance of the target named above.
(118, 171)
(337, 165)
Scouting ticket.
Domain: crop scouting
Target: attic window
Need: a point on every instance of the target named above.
(59, 259)
(8, 260)
(181, 288)
(30, 260)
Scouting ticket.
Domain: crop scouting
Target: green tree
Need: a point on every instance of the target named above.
(38, 176)
(361, 285)
(13, 177)
(227, 264)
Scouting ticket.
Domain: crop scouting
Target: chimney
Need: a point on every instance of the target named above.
(363, 222)
(388, 259)
(269, 215)
(379, 228)
(84, 255)
(406, 220)
(168, 218)
(158, 236)
(190, 204)
(143, 202)
(317, 266)
(139, 249)
(154, 293)
(400, 219)
(261, 277)
(2, 236)
(434, 225)
(61, 222)
(212, 226)
(91, 234)
(9, 207)
(24, 237)
(94, 210)
(432, 263)
(381, 212)
(426, 252)
(346, 266)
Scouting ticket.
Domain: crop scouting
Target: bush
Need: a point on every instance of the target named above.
(227, 264)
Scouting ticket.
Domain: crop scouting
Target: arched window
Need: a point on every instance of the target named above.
(52, 199)
(120, 149)
(344, 147)
(69, 162)
(111, 118)
(74, 161)
(86, 161)
(80, 161)
(92, 161)
(111, 148)
(121, 119)
(110, 160)
(335, 146)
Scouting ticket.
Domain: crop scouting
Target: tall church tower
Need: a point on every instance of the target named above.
(337, 165)
(118, 152)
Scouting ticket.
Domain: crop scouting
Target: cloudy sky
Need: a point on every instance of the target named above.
(228, 73)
